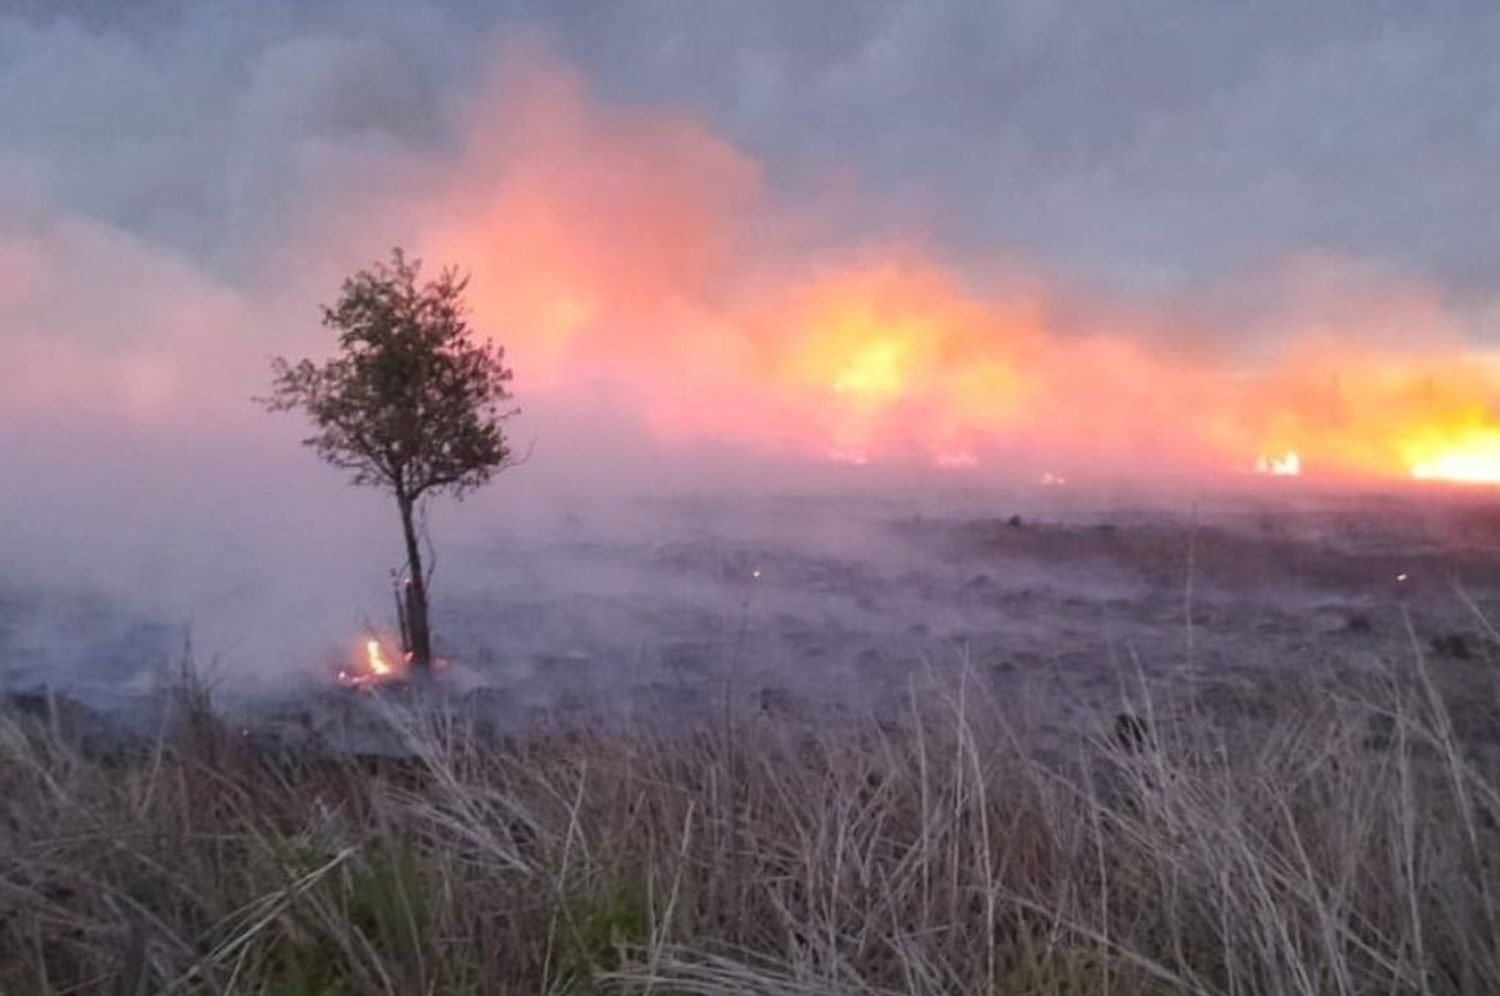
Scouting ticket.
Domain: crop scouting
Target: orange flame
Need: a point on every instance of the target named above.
(376, 670)
(633, 259)
(377, 664)
(1472, 457)
(636, 253)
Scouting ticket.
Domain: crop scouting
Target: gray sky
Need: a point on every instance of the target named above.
(1137, 146)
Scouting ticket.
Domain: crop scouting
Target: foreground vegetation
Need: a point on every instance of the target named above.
(1342, 841)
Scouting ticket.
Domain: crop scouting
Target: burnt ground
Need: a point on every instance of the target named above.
(1055, 603)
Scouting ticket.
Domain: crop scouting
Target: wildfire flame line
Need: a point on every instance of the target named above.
(630, 248)
(638, 269)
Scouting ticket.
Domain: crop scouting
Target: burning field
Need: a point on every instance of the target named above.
(642, 254)
(1043, 538)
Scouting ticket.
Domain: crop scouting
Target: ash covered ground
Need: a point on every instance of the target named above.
(1057, 600)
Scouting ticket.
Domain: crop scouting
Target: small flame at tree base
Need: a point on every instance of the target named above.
(377, 671)
(374, 671)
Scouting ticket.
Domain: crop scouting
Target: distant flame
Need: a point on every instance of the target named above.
(957, 460)
(1287, 465)
(874, 373)
(1474, 459)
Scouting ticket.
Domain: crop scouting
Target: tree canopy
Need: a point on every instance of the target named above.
(412, 402)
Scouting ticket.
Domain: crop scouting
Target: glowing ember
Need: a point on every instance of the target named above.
(1287, 465)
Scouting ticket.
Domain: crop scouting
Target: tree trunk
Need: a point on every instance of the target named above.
(416, 591)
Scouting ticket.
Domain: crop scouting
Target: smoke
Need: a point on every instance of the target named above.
(635, 256)
(639, 268)
(672, 314)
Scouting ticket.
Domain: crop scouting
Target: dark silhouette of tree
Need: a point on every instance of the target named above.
(412, 403)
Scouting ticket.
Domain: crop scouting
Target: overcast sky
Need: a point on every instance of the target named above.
(1141, 146)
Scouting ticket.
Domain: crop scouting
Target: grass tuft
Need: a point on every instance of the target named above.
(1333, 841)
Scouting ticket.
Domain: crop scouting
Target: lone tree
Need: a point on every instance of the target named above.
(412, 403)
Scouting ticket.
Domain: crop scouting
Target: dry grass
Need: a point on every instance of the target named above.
(1348, 845)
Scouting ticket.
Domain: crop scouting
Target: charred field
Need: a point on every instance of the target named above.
(1055, 600)
(1055, 603)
